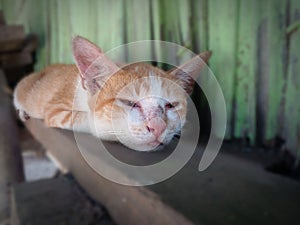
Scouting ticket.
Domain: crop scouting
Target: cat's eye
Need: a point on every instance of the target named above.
(171, 105)
(130, 103)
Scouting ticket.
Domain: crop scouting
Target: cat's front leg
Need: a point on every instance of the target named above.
(66, 119)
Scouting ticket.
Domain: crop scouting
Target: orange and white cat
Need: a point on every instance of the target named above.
(139, 105)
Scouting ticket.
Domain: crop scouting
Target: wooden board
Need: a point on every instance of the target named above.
(14, 60)
(223, 61)
(11, 37)
(126, 205)
(254, 195)
(291, 127)
(11, 167)
(2, 19)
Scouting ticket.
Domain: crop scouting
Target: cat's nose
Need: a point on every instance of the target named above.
(156, 126)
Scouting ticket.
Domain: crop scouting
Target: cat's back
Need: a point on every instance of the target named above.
(37, 89)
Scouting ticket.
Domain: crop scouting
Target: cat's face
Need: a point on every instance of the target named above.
(144, 106)
(141, 106)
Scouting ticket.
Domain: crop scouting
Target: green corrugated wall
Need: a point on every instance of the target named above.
(256, 47)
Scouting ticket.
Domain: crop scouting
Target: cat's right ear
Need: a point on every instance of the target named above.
(188, 72)
(92, 63)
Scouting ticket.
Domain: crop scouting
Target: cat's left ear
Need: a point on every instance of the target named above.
(92, 63)
(188, 72)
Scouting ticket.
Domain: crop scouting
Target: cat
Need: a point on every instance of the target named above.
(139, 105)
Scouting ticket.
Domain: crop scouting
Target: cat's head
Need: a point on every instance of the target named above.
(140, 105)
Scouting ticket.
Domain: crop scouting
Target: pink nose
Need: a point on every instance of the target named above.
(156, 126)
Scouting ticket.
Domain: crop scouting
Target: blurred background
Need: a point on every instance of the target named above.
(255, 45)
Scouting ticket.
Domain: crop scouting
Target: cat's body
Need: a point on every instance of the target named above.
(139, 105)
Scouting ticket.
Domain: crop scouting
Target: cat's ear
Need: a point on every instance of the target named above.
(188, 72)
(92, 63)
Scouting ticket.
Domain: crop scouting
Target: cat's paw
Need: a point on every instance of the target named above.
(23, 115)
(50, 122)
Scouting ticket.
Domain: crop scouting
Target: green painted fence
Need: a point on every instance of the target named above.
(256, 47)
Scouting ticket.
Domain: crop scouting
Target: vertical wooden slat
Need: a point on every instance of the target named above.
(222, 41)
(270, 75)
(176, 27)
(109, 24)
(199, 25)
(83, 19)
(244, 92)
(156, 27)
(292, 103)
(11, 164)
(138, 25)
(64, 32)
(53, 27)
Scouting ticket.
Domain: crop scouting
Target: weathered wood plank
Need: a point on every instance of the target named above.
(11, 60)
(199, 25)
(11, 167)
(110, 25)
(175, 27)
(223, 27)
(11, 37)
(271, 44)
(156, 28)
(138, 27)
(205, 197)
(53, 44)
(126, 205)
(34, 21)
(292, 103)
(2, 19)
(244, 103)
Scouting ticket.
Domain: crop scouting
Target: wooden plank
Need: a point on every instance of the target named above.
(20, 12)
(291, 130)
(271, 73)
(176, 28)
(110, 25)
(138, 27)
(52, 17)
(205, 197)
(199, 23)
(223, 19)
(31, 43)
(244, 102)
(2, 19)
(63, 35)
(11, 167)
(156, 32)
(13, 60)
(11, 37)
(126, 205)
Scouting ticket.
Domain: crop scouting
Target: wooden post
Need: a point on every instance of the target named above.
(11, 166)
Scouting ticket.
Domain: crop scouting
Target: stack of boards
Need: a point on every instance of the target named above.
(16, 51)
